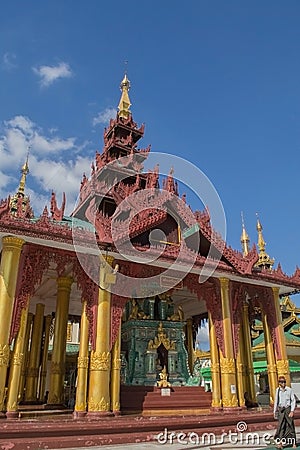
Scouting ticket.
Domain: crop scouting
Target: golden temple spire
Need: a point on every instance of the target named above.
(124, 103)
(19, 202)
(264, 260)
(24, 172)
(244, 238)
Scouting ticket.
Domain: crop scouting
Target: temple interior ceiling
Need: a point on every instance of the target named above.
(46, 293)
(190, 304)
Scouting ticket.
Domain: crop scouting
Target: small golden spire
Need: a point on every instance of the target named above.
(24, 172)
(19, 200)
(244, 238)
(124, 103)
(264, 260)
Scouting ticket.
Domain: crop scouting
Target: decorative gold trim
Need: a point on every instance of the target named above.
(227, 365)
(201, 354)
(100, 361)
(103, 405)
(80, 407)
(4, 355)
(17, 359)
(82, 362)
(161, 338)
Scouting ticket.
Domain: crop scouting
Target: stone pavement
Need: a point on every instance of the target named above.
(242, 440)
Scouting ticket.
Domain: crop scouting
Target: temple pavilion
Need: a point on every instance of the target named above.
(95, 305)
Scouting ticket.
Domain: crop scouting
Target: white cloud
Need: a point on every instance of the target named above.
(202, 337)
(46, 145)
(9, 61)
(4, 180)
(105, 116)
(60, 176)
(22, 123)
(49, 74)
(55, 163)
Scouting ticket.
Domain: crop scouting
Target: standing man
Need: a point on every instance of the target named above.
(284, 406)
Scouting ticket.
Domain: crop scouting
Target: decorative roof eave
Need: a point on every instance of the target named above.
(243, 265)
(47, 232)
(291, 319)
(141, 153)
(128, 124)
(289, 306)
(44, 229)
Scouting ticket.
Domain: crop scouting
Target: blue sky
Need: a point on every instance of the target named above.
(217, 83)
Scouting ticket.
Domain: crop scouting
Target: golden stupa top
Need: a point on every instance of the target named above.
(24, 172)
(264, 260)
(244, 238)
(124, 104)
(19, 197)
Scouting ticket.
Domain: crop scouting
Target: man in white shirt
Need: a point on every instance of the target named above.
(284, 406)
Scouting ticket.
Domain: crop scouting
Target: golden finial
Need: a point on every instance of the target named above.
(19, 200)
(244, 238)
(124, 103)
(24, 172)
(264, 260)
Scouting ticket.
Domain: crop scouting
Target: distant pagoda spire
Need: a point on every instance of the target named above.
(24, 172)
(124, 104)
(244, 238)
(264, 260)
(19, 199)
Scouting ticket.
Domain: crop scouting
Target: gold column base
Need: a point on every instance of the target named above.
(228, 382)
(99, 398)
(82, 366)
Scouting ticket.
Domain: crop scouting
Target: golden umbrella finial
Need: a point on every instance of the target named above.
(264, 260)
(24, 172)
(244, 238)
(124, 104)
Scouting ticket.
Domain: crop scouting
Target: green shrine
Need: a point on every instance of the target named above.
(153, 338)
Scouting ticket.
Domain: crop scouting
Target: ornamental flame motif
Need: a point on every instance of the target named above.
(4, 355)
(100, 361)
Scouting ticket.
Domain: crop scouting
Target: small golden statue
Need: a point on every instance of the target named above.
(134, 310)
(163, 382)
(135, 313)
(179, 316)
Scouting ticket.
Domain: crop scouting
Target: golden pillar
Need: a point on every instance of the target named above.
(11, 251)
(16, 367)
(47, 325)
(271, 362)
(82, 365)
(99, 393)
(215, 365)
(190, 343)
(227, 361)
(58, 360)
(116, 375)
(282, 359)
(25, 357)
(241, 368)
(250, 383)
(35, 354)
